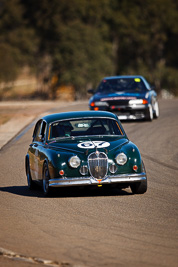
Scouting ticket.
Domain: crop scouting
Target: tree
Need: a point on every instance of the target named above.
(80, 41)
(73, 35)
(143, 33)
(16, 46)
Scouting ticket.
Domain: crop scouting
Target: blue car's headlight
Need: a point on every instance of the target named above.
(121, 159)
(138, 102)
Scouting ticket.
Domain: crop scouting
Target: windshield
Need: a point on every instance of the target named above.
(84, 127)
(121, 84)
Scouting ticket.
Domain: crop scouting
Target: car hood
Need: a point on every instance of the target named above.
(87, 144)
(118, 96)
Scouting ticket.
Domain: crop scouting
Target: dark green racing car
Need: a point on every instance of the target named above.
(86, 148)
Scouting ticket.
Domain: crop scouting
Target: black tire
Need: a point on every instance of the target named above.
(46, 177)
(139, 188)
(30, 183)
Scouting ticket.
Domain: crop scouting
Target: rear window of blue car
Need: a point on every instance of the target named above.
(84, 127)
(122, 84)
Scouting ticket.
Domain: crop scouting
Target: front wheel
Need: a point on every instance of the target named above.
(46, 177)
(30, 182)
(139, 188)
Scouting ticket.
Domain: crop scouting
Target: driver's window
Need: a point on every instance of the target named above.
(43, 130)
(37, 131)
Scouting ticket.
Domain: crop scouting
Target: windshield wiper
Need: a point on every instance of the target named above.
(62, 138)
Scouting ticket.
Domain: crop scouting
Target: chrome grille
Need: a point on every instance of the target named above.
(98, 164)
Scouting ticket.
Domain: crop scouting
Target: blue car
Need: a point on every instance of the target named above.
(129, 97)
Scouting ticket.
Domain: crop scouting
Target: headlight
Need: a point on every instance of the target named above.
(74, 161)
(138, 101)
(121, 159)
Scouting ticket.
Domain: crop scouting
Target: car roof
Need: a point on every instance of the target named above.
(123, 76)
(128, 76)
(78, 114)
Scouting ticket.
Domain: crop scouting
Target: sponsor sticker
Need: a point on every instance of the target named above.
(94, 144)
(118, 98)
(137, 80)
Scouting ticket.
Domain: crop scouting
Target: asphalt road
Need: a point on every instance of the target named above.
(95, 227)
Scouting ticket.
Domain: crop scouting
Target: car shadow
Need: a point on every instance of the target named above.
(66, 192)
(22, 191)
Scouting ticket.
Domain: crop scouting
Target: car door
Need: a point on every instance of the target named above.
(41, 147)
(34, 151)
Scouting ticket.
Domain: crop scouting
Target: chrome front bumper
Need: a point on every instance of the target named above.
(81, 181)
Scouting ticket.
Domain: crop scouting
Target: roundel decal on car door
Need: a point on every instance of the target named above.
(94, 144)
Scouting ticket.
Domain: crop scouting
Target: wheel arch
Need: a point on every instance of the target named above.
(48, 159)
(47, 163)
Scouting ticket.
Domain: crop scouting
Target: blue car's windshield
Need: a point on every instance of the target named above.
(122, 84)
(84, 127)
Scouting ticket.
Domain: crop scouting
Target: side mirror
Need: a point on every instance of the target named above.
(91, 91)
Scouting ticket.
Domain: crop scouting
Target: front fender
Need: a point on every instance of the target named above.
(133, 158)
(57, 161)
